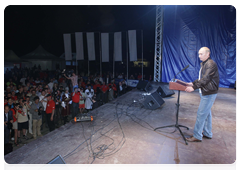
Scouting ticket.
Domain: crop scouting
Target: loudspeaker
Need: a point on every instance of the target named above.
(153, 101)
(236, 85)
(144, 86)
(56, 163)
(164, 90)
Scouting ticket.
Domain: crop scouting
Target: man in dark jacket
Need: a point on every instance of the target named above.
(207, 83)
(8, 120)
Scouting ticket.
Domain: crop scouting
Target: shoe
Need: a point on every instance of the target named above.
(19, 140)
(16, 144)
(25, 137)
(206, 137)
(193, 139)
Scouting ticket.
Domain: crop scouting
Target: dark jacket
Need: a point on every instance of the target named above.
(209, 80)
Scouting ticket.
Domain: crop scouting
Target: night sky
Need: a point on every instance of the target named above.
(26, 27)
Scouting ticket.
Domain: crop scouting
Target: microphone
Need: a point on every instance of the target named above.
(180, 71)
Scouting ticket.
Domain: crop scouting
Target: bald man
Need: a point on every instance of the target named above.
(207, 83)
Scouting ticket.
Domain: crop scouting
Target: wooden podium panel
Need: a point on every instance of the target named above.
(178, 85)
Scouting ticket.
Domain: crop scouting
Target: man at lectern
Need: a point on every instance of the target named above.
(207, 83)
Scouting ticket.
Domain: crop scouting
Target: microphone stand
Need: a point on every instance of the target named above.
(176, 125)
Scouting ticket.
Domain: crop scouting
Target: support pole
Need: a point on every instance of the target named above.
(127, 55)
(142, 53)
(100, 47)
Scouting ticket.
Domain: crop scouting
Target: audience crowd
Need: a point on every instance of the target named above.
(34, 98)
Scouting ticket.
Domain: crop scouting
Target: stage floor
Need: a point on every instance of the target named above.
(123, 133)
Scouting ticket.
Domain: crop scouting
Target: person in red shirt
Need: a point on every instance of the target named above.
(14, 97)
(50, 109)
(75, 102)
(104, 89)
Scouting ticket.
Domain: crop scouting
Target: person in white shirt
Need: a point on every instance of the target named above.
(89, 94)
(50, 85)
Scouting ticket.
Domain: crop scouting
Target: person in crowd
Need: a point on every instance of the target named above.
(29, 114)
(97, 91)
(36, 110)
(10, 103)
(82, 101)
(63, 84)
(50, 109)
(75, 102)
(14, 97)
(120, 89)
(22, 119)
(15, 123)
(43, 100)
(132, 77)
(66, 98)
(139, 77)
(33, 92)
(104, 89)
(22, 80)
(50, 84)
(74, 80)
(8, 120)
(89, 92)
(57, 100)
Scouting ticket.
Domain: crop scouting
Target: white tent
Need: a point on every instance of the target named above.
(43, 58)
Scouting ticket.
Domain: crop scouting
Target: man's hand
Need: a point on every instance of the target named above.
(189, 89)
(51, 118)
(190, 84)
(11, 121)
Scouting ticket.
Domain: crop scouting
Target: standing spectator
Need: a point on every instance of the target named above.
(65, 105)
(89, 94)
(28, 105)
(57, 114)
(33, 95)
(22, 120)
(22, 80)
(120, 89)
(75, 102)
(131, 77)
(74, 80)
(8, 120)
(139, 77)
(104, 89)
(81, 102)
(15, 123)
(50, 109)
(14, 97)
(50, 85)
(63, 84)
(36, 110)
(43, 100)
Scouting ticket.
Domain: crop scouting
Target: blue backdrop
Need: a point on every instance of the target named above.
(188, 28)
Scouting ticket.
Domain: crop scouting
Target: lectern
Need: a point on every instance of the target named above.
(180, 86)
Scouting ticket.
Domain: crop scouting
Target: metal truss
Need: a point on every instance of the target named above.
(158, 44)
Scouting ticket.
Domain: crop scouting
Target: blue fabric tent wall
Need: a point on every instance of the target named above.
(188, 28)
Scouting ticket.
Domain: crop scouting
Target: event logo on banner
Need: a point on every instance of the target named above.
(79, 46)
(118, 46)
(67, 46)
(105, 47)
(132, 45)
(91, 46)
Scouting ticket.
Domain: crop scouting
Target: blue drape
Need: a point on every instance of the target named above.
(188, 28)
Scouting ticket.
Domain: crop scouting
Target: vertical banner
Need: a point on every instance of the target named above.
(118, 46)
(105, 47)
(91, 46)
(132, 45)
(67, 46)
(79, 46)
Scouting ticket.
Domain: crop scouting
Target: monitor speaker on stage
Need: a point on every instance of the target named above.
(153, 101)
(164, 90)
(144, 86)
(56, 163)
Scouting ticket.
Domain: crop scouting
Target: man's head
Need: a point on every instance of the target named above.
(204, 53)
(43, 93)
(33, 92)
(49, 97)
(104, 83)
(6, 109)
(10, 101)
(13, 93)
(9, 94)
(73, 74)
(75, 89)
(89, 87)
(36, 99)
